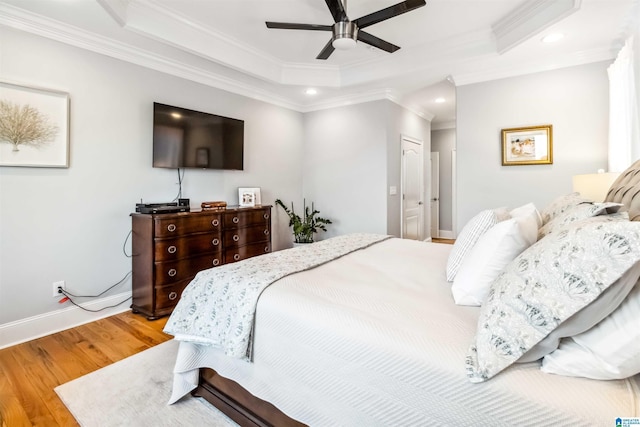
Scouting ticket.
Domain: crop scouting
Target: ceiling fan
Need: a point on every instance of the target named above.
(346, 32)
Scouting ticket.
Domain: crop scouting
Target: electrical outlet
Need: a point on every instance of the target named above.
(56, 285)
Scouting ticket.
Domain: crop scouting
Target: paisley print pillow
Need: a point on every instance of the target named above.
(561, 204)
(576, 213)
(546, 285)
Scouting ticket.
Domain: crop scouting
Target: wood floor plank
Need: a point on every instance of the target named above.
(146, 332)
(29, 394)
(12, 413)
(44, 372)
(29, 372)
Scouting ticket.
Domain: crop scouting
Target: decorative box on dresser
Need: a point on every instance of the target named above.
(169, 249)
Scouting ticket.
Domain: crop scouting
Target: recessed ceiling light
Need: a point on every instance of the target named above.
(552, 38)
(440, 100)
(311, 91)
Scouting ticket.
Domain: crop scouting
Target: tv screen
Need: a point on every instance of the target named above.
(191, 139)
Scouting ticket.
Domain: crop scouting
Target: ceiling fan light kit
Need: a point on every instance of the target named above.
(346, 33)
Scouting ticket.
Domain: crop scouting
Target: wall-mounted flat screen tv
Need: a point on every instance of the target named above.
(185, 138)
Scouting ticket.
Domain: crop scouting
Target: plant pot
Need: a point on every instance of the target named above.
(296, 244)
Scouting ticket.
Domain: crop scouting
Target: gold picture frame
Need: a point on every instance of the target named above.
(527, 146)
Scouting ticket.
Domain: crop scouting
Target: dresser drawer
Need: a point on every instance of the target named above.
(246, 218)
(248, 251)
(242, 236)
(181, 225)
(188, 246)
(168, 272)
(168, 296)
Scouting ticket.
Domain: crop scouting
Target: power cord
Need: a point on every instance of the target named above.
(124, 245)
(180, 178)
(68, 296)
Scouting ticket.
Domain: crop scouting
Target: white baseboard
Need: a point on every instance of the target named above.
(446, 234)
(55, 321)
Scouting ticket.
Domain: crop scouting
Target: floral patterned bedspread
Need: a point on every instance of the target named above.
(218, 307)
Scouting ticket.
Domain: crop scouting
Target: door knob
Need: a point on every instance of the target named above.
(420, 203)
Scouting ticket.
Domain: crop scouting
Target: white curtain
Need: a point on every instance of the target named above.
(624, 134)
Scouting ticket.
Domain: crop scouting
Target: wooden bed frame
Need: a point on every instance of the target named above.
(238, 404)
(250, 411)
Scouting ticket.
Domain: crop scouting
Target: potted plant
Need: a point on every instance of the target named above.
(304, 228)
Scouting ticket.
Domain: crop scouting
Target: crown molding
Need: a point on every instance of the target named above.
(508, 69)
(529, 19)
(20, 19)
(451, 124)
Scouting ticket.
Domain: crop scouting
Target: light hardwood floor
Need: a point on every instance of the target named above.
(29, 372)
(441, 240)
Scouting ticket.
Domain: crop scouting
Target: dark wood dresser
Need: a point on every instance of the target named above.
(169, 249)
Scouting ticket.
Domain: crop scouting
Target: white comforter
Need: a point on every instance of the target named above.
(375, 339)
(218, 307)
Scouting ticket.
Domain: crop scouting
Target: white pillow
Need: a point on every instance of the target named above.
(471, 232)
(526, 210)
(608, 351)
(494, 250)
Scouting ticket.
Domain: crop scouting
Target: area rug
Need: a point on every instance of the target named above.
(134, 392)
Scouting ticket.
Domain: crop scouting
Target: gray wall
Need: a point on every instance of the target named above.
(574, 100)
(351, 157)
(443, 141)
(70, 224)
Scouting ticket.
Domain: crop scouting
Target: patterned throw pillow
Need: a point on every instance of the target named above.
(546, 285)
(577, 213)
(561, 204)
(471, 232)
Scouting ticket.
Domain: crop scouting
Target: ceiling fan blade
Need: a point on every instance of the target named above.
(291, 26)
(337, 10)
(376, 42)
(389, 12)
(326, 51)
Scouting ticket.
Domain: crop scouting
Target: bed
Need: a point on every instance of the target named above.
(374, 337)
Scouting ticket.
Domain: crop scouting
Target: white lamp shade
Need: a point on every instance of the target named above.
(594, 186)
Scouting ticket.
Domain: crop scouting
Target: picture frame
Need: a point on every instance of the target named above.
(527, 146)
(45, 113)
(249, 196)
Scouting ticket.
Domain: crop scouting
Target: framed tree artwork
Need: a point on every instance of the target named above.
(34, 126)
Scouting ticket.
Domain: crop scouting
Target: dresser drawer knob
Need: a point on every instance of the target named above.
(172, 249)
(171, 227)
(236, 257)
(173, 272)
(216, 262)
(266, 248)
(266, 232)
(173, 296)
(215, 242)
(235, 220)
(236, 237)
(215, 222)
(266, 216)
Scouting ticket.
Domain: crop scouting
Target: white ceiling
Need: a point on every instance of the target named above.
(225, 43)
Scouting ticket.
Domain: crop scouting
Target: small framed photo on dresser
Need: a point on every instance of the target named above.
(249, 196)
